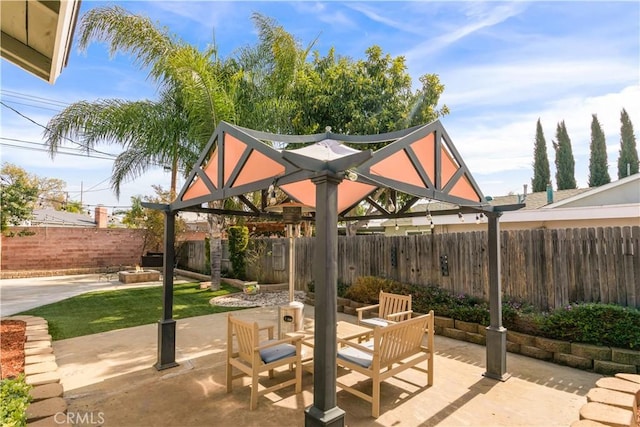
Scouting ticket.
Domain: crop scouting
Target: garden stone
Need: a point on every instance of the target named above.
(591, 351)
(611, 368)
(573, 361)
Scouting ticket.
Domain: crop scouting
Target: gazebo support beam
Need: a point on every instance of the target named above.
(496, 334)
(167, 325)
(324, 411)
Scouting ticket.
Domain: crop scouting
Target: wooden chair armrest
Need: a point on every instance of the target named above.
(367, 308)
(399, 314)
(355, 345)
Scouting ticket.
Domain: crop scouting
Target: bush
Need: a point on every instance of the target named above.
(14, 395)
(594, 323)
(238, 242)
(589, 323)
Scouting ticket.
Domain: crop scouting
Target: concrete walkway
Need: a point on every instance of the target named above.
(110, 377)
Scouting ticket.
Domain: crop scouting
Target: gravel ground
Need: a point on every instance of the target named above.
(257, 300)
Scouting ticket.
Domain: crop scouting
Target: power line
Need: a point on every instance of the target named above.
(42, 148)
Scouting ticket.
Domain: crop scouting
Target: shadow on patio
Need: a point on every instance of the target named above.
(112, 374)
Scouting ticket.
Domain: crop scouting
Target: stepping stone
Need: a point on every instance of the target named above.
(38, 337)
(37, 350)
(39, 358)
(634, 378)
(41, 327)
(46, 408)
(55, 421)
(44, 378)
(613, 398)
(24, 318)
(46, 391)
(39, 368)
(40, 344)
(618, 385)
(36, 321)
(609, 415)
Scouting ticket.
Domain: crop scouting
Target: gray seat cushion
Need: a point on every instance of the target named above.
(356, 356)
(277, 352)
(375, 321)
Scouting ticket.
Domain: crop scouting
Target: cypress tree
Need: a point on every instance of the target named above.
(598, 167)
(628, 152)
(565, 164)
(541, 173)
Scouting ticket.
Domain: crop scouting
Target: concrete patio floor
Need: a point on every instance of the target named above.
(110, 377)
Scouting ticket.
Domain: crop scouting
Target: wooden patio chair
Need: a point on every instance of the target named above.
(252, 357)
(393, 349)
(391, 308)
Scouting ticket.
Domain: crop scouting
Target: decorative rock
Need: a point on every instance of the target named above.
(445, 322)
(39, 368)
(454, 333)
(536, 352)
(611, 368)
(609, 415)
(627, 357)
(46, 391)
(46, 408)
(466, 326)
(475, 338)
(554, 346)
(519, 338)
(591, 351)
(573, 361)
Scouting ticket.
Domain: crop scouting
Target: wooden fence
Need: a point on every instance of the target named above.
(548, 268)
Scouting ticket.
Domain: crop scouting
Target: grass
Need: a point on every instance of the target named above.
(103, 311)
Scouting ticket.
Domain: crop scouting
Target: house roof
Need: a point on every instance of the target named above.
(623, 191)
(52, 217)
(37, 35)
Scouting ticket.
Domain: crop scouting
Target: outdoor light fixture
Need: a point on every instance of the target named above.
(351, 175)
(477, 219)
(432, 225)
(391, 207)
(397, 227)
(460, 216)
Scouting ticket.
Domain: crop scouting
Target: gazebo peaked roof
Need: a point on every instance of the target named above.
(421, 161)
(331, 178)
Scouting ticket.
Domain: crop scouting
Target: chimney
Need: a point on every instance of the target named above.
(101, 216)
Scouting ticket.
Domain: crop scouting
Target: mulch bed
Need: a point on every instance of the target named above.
(12, 338)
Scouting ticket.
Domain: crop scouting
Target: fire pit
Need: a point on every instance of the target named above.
(138, 275)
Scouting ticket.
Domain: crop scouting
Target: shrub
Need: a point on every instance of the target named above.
(594, 323)
(366, 289)
(14, 394)
(238, 241)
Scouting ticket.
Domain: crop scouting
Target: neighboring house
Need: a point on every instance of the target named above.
(613, 204)
(54, 218)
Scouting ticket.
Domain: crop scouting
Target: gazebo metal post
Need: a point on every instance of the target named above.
(324, 411)
(496, 334)
(167, 325)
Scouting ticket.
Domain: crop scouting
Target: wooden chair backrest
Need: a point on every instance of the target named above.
(397, 341)
(394, 303)
(247, 337)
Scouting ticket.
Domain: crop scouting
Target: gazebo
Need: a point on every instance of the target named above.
(332, 178)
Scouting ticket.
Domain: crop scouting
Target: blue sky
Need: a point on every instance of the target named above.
(503, 64)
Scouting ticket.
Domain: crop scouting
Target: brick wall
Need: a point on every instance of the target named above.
(65, 248)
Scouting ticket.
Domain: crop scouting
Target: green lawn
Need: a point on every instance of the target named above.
(102, 311)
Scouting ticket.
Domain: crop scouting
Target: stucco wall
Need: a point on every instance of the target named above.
(60, 248)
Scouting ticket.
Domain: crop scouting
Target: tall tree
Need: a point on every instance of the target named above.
(565, 163)
(628, 159)
(541, 172)
(598, 165)
(18, 193)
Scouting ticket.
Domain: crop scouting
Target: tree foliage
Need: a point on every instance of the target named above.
(628, 158)
(541, 172)
(565, 163)
(598, 165)
(18, 194)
